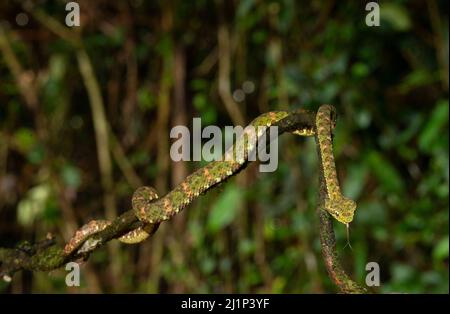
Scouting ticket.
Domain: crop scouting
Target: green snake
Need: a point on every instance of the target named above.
(152, 210)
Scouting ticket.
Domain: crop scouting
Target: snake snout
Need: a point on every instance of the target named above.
(341, 209)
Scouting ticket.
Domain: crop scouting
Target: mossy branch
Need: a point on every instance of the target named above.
(46, 255)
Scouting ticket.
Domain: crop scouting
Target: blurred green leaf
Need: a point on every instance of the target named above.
(37, 154)
(200, 102)
(363, 118)
(440, 251)
(145, 99)
(246, 246)
(402, 272)
(199, 85)
(33, 205)
(24, 139)
(355, 180)
(225, 209)
(360, 70)
(385, 172)
(373, 213)
(244, 8)
(71, 176)
(433, 130)
(417, 78)
(396, 15)
(207, 265)
(196, 232)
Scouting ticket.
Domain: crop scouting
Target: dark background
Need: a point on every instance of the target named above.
(157, 64)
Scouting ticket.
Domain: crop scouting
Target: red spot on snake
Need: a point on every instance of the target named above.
(186, 189)
(168, 206)
(207, 174)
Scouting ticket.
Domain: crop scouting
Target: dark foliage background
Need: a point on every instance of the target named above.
(161, 63)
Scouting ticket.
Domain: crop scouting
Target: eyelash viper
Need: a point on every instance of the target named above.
(152, 210)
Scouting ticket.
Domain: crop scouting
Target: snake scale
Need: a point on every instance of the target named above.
(152, 210)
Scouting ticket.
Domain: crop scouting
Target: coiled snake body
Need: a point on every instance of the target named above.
(152, 210)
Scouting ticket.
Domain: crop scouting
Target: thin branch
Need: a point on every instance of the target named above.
(25, 80)
(231, 106)
(53, 24)
(122, 161)
(100, 128)
(330, 257)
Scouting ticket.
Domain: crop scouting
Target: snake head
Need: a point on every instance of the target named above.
(342, 209)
